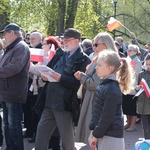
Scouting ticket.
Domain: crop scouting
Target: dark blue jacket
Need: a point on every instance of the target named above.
(107, 118)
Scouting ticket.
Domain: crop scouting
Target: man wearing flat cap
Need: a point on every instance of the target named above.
(61, 96)
(14, 69)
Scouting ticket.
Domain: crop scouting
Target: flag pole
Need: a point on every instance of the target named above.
(127, 29)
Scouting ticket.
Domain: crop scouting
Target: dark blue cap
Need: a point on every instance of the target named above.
(72, 33)
(11, 26)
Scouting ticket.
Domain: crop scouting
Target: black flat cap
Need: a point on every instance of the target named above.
(72, 33)
(11, 26)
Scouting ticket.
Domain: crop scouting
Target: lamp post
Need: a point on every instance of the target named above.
(115, 3)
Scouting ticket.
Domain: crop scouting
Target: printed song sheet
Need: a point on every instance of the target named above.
(46, 71)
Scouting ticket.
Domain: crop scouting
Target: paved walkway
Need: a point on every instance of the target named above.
(130, 139)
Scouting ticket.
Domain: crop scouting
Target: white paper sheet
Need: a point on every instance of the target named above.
(45, 71)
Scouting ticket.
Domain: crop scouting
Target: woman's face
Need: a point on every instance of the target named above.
(131, 51)
(46, 47)
(98, 46)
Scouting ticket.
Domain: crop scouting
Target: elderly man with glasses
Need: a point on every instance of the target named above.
(62, 94)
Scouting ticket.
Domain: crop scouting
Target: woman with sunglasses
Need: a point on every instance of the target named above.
(90, 80)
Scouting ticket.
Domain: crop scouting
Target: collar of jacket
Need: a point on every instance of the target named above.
(39, 46)
(78, 55)
(109, 77)
(17, 40)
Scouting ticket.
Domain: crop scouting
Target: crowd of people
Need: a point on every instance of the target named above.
(94, 84)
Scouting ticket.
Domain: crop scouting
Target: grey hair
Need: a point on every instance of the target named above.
(107, 39)
(119, 38)
(37, 34)
(18, 33)
(135, 47)
(87, 43)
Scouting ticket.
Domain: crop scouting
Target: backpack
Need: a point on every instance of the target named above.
(142, 145)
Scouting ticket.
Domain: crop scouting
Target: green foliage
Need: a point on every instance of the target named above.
(92, 17)
(4, 6)
(134, 14)
(87, 20)
(35, 14)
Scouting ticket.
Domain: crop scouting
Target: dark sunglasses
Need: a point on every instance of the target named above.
(97, 44)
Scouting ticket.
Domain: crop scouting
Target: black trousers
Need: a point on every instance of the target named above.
(30, 117)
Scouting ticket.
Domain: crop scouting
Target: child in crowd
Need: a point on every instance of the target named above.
(106, 123)
(143, 103)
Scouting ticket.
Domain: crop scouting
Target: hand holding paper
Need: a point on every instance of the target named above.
(56, 76)
(47, 72)
(44, 78)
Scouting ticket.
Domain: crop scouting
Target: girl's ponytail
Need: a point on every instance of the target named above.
(124, 74)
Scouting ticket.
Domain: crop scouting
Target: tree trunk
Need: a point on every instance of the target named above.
(3, 20)
(71, 13)
(61, 16)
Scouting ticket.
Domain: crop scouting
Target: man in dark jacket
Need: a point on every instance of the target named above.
(61, 94)
(87, 46)
(14, 69)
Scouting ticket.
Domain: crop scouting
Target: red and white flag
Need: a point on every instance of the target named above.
(36, 55)
(113, 24)
(52, 52)
(145, 87)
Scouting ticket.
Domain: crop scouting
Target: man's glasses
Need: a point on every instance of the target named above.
(97, 44)
(67, 40)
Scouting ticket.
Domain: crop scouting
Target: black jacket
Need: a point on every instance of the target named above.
(107, 118)
(39, 106)
(60, 95)
(89, 50)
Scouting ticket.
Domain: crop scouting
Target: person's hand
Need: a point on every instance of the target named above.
(138, 87)
(56, 76)
(44, 78)
(78, 74)
(31, 64)
(92, 143)
(132, 35)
